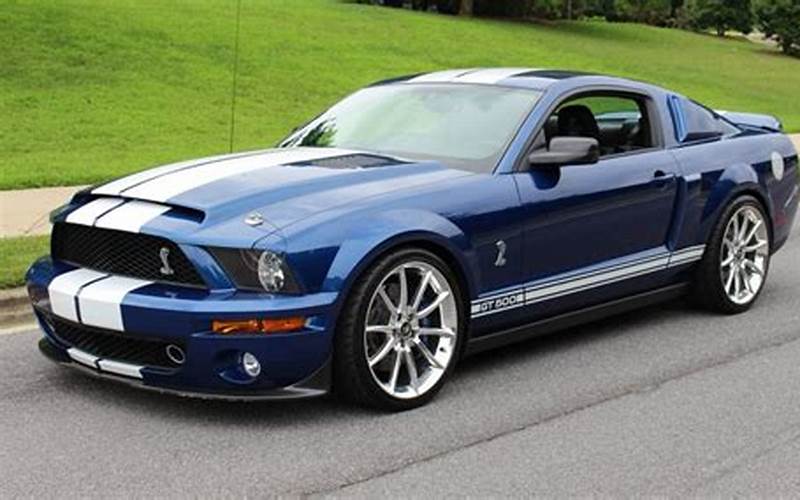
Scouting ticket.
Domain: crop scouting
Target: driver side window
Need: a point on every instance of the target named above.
(619, 123)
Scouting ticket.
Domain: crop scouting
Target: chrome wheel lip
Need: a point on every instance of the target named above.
(418, 343)
(744, 255)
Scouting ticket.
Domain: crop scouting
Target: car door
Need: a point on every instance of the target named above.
(596, 232)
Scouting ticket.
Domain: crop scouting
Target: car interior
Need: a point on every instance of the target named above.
(620, 124)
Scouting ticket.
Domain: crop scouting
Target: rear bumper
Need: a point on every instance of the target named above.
(293, 365)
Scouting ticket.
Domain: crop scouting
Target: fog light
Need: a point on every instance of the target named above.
(251, 365)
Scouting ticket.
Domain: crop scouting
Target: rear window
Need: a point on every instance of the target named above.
(698, 122)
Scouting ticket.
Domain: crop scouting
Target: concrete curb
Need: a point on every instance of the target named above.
(15, 309)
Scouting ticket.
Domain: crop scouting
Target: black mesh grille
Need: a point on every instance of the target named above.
(119, 252)
(115, 346)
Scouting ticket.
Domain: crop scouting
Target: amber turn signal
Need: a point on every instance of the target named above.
(275, 325)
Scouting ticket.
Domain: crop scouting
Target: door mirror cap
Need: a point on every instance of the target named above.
(565, 151)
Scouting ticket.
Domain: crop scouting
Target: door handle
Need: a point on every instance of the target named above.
(662, 179)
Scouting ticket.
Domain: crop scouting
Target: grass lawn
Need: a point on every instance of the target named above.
(17, 254)
(92, 89)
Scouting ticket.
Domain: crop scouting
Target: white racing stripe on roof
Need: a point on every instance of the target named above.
(131, 216)
(490, 76)
(63, 289)
(87, 214)
(101, 302)
(171, 185)
(440, 76)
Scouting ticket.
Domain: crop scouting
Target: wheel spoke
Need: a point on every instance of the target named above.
(752, 232)
(727, 261)
(754, 268)
(403, 305)
(427, 354)
(745, 280)
(757, 245)
(743, 226)
(737, 283)
(433, 305)
(412, 370)
(383, 352)
(388, 302)
(395, 371)
(387, 329)
(421, 290)
(729, 282)
(735, 228)
(437, 332)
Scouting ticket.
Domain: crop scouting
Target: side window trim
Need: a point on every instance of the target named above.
(657, 131)
(678, 118)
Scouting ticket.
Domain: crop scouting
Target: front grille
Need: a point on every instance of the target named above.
(122, 253)
(107, 344)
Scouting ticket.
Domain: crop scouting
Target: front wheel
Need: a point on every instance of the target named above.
(400, 332)
(734, 268)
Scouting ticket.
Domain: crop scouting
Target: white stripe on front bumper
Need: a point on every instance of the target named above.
(125, 369)
(101, 303)
(64, 288)
(82, 357)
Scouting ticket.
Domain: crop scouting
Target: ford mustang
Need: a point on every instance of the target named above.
(418, 220)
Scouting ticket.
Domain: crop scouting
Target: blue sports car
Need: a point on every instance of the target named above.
(416, 221)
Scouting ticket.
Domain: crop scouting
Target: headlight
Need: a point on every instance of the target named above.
(261, 270)
(270, 272)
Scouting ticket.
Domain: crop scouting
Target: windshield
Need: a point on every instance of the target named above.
(464, 126)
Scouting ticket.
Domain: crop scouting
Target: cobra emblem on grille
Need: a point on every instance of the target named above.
(166, 269)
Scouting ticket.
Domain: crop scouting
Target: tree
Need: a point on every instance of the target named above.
(722, 15)
(780, 21)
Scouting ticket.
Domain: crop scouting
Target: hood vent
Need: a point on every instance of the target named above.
(351, 161)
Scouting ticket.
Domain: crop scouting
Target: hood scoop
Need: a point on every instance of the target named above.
(351, 161)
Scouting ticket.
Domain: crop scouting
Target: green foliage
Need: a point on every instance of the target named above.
(16, 254)
(780, 20)
(91, 89)
(655, 12)
(722, 15)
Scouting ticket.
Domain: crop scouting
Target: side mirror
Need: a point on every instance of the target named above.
(564, 151)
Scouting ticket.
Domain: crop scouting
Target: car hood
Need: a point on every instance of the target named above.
(281, 185)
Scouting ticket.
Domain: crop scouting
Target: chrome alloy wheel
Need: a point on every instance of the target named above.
(744, 255)
(410, 331)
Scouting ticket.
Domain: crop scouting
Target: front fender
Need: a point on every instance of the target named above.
(397, 228)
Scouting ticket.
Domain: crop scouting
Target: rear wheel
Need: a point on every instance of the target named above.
(400, 332)
(734, 268)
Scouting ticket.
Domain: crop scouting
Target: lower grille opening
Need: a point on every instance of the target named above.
(117, 346)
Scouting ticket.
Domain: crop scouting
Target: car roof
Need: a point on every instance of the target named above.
(539, 79)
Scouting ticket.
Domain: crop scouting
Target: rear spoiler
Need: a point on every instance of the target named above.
(752, 120)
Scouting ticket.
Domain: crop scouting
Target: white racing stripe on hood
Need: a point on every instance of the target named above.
(131, 216)
(174, 184)
(87, 214)
(101, 302)
(117, 186)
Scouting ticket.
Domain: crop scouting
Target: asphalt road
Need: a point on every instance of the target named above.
(664, 401)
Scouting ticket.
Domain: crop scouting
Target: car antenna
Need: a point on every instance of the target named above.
(235, 72)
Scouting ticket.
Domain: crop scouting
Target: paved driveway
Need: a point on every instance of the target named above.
(667, 400)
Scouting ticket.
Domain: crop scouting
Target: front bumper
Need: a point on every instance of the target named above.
(294, 365)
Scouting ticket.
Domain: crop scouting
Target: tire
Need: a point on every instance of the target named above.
(372, 366)
(716, 282)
